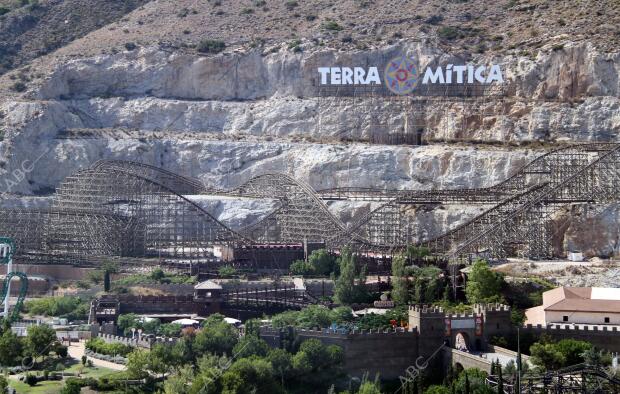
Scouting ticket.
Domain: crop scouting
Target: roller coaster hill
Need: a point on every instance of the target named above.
(135, 211)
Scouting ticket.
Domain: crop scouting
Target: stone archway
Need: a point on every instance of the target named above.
(461, 342)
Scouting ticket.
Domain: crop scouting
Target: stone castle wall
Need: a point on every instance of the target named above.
(386, 352)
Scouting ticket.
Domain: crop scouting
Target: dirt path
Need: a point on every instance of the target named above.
(76, 350)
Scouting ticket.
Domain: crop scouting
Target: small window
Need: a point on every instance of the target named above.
(606, 320)
(564, 318)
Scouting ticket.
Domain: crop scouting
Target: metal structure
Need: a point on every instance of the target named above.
(127, 209)
(6, 257)
(581, 378)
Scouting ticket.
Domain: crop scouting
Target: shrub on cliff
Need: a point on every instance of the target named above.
(211, 46)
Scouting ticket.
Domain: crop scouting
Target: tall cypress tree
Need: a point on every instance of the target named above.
(500, 379)
(400, 291)
(106, 281)
(466, 384)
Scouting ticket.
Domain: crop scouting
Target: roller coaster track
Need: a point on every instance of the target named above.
(136, 210)
(526, 218)
(580, 378)
(7, 249)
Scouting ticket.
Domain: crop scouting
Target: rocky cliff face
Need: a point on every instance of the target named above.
(229, 117)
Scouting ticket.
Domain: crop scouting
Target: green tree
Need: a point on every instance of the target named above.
(227, 271)
(4, 384)
(250, 346)
(483, 284)
(400, 288)
(323, 262)
(435, 389)
(106, 281)
(350, 285)
(500, 379)
(216, 336)
(157, 274)
(593, 356)
(138, 364)
(72, 386)
(301, 267)
(551, 355)
(40, 340)
(10, 348)
(368, 387)
(547, 356)
(250, 375)
(178, 383)
(282, 363)
(127, 321)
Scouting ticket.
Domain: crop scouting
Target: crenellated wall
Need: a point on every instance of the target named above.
(386, 352)
(602, 337)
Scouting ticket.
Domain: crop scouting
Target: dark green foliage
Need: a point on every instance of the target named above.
(290, 4)
(448, 32)
(11, 347)
(301, 267)
(31, 380)
(320, 262)
(350, 286)
(4, 384)
(98, 345)
(130, 46)
(313, 316)
(250, 346)
(216, 336)
(226, 271)
(106, 281)
(18, 87)
(400, 285)
(40, 340)
(331, 25)
(211, 46)
(72, 386)
(483, 284)
(551, 355)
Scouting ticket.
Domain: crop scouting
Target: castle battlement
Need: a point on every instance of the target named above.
(490, 308)
(571, 327)
(426, 309)
(327, 332)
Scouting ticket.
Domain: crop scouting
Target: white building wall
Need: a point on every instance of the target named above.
(582, 317)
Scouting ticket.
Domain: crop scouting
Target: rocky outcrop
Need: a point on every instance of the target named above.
(224, 119)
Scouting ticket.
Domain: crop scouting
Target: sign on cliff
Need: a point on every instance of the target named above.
(401, 76)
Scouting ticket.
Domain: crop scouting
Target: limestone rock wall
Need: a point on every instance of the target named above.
(226, 118)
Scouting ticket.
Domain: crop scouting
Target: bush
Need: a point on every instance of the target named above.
(31, 380)
(72, 386)
(4, 10)
(290, 4)
(332, 25)
(300, 267)
(226, 271)
(18, 87)
(130, 46)
(211, 46)
(448, 32)
(65, 306)
(98, 345)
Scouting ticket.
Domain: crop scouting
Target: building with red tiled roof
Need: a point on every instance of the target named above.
(578, 305)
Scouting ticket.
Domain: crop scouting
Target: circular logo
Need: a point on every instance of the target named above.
(401, 75)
